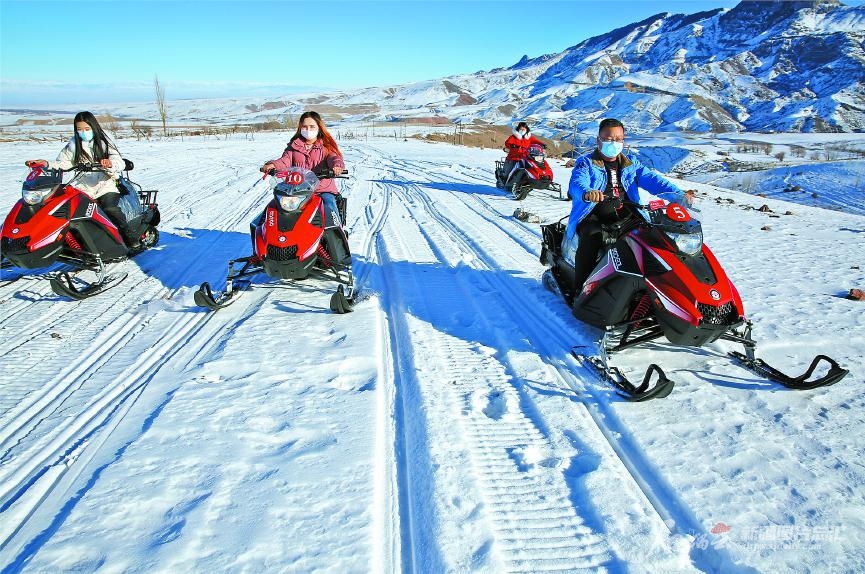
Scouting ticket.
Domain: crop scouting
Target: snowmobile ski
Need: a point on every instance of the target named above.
(204, 296)
(340, 303)
(63, 285)
(646, 390)
(801, 383)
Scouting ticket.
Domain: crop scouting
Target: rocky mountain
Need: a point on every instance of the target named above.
(760, 66)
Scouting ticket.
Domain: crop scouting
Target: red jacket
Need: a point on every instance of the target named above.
(296, 155)
(518, 147)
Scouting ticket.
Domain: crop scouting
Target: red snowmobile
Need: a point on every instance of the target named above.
(531, 172)
(295, 237)
(53, 222)
(656, 278)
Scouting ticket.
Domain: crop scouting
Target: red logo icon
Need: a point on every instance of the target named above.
(720, 528)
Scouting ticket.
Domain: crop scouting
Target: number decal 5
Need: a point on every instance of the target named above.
(677, 213)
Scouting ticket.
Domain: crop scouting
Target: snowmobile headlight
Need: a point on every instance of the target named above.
(689, 243)
(35, 196)
(292, 202)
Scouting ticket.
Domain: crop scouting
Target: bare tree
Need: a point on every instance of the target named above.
(160, 103)
(140, 131)
(112, 125)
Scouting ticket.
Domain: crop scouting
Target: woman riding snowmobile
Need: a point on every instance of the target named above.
(300, 232)
(517, 147)
(313, 148)
(90, 144)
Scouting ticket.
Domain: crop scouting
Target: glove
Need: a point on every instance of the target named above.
(594, 196)
(36, 163)
(689, 196)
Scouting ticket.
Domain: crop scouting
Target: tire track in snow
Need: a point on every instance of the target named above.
(26, 364)
(39, 468)
(44, 431)
(389, 539)
(551, 338)
(526, 501)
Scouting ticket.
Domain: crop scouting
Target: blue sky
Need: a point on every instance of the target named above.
(102, 52)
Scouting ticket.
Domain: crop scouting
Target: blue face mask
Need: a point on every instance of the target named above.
(85, 135)
(612, 149)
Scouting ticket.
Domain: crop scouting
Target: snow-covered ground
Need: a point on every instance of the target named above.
(443, 426)
(819, 170)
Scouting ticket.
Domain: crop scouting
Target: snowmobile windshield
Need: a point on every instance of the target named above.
(39, 184)
(294, 187)
(678, 224)
(294, 180)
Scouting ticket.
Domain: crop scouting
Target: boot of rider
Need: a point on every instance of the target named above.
(337, 248)
(109, 203)
(132, 239)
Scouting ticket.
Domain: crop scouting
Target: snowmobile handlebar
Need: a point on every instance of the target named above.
(646, 206)
(84, 166)
(322, 174)
(329, 174)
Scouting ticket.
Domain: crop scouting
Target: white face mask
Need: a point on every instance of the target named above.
(309, 133)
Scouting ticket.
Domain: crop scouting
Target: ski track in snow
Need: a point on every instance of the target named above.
(464, 237)
(484, 446)
(45, 429)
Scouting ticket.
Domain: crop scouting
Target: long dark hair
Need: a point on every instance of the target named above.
(101, 145)
(326, 139)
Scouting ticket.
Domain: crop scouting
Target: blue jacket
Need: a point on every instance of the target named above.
(589, 173)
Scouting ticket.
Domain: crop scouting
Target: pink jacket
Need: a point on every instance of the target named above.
(296, 155)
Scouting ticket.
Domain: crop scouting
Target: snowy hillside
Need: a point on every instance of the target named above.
(760, 67)
(443, 426)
